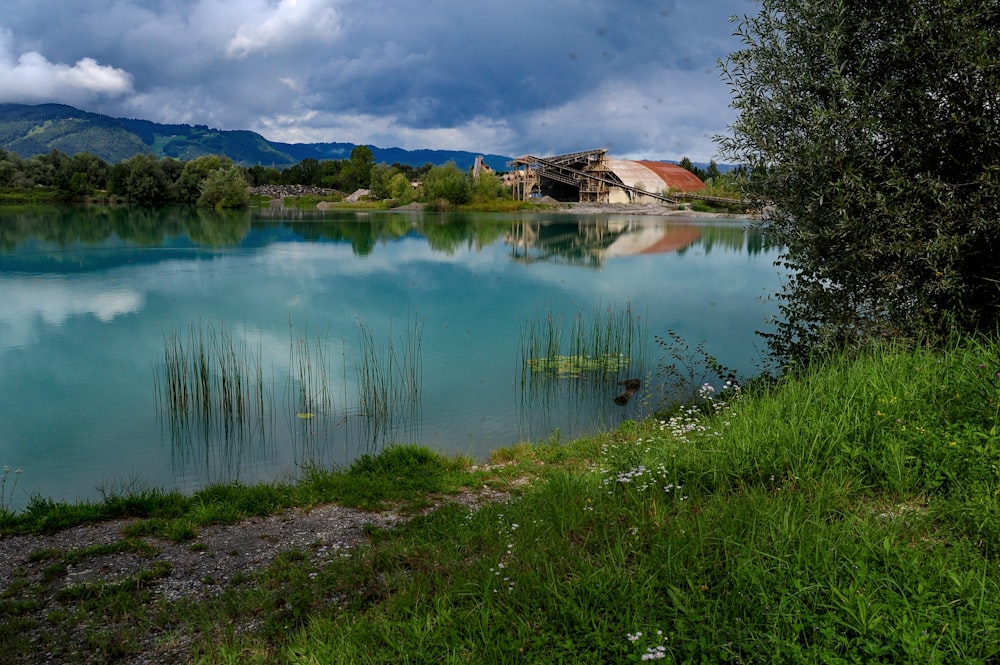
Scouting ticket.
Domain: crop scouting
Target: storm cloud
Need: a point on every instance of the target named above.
(639, 77)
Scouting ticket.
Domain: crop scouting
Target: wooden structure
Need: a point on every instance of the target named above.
(591, 176)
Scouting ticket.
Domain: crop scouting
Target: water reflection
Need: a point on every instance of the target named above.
(587, 366)
(92, 296)
(63, 238)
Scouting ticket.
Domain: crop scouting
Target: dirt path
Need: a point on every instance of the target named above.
(196, 569)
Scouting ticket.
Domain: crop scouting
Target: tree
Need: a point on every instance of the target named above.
(448, 183)
(400, 189)
(143, 181)
(712, 172)
(195, 173)
(356, 172)
(225, 187)
(873, 132)
(260, 175)
(489, 187)
(378, 185)
(93, 169)
(310, 172)
(688, 165)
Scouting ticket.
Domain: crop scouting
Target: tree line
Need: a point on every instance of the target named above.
(215, 181)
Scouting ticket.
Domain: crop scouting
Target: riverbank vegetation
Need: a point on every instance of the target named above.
(845, 514)
(889, 208)
(214, 181)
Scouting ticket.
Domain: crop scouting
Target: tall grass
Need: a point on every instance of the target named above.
(845, 516)
(390, 378)
(849, 514)
(211, 388)
(313, 415)
(216, 402)
(579, 361)
(605, 344)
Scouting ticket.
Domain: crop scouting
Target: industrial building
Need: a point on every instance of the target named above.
(593, 177)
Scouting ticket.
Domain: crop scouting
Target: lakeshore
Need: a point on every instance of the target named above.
(847, 514)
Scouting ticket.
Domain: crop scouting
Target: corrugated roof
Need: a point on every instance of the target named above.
(635, 174)
(654, 176)
(675, 176)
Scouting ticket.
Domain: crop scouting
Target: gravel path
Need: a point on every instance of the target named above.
(198, 568)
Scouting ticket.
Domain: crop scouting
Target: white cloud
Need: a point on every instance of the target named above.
(636, 77)
(479, 133)
(290, 22)
(31, 77)
(639, 118)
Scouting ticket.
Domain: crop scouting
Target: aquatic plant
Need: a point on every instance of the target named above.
(584, 362)
(211, 387)
(215, 400)
(312, 413)
(7, 499)
(600, 346)
(390, 376)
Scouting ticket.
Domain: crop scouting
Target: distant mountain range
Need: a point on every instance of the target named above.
(37, 130)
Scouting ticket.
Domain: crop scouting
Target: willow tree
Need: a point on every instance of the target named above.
(871, 133)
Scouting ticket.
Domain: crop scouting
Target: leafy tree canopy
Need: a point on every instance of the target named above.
(872, 132)
(447, 183)
(224, 187)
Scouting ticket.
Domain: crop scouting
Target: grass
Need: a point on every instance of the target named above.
(400, 475)
(847, 515)
(216, 403)
(309, 202)
(28, 195)
(390, 378)
(594, 350)
(211, 392)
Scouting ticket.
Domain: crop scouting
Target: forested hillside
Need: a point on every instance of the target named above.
(37, 130)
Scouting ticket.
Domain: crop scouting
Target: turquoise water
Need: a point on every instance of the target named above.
(90, 298)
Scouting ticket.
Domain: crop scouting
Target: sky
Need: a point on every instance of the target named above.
(510, 77)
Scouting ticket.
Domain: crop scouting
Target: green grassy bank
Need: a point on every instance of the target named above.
(850, 515)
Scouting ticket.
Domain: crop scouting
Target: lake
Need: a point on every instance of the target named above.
(325, 335)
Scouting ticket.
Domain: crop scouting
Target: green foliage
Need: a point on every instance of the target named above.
(872, 131)
(378, 187)
(194, 174)
(355, 173)
(489, 187)
(259, 175)
(847, 514)
(399, 473)
(143, 181)
(447, 183)
(224, 188)
(400, 189)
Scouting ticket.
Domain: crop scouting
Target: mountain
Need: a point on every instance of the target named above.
(462, 159)
(37, 130)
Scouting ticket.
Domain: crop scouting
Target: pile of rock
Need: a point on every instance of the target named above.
(281, 191)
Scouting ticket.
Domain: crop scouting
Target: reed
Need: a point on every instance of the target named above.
(314, 416)
(211, 389)
(574, 366)
(390, 376)
(309, 374)
(602, 346)
(215, 400)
